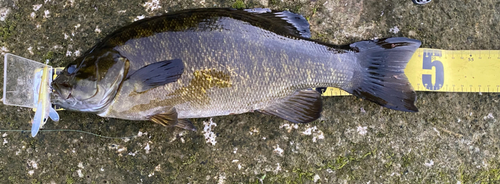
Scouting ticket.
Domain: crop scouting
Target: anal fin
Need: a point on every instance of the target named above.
(303, 106)
(169, 119)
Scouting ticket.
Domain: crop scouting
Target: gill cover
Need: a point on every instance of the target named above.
(90, 82)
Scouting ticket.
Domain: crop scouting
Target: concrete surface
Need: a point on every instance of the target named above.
(453, 139)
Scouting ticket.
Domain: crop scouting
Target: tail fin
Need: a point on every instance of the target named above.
(381, 78)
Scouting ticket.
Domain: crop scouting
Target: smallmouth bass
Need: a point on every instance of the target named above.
(215, 62)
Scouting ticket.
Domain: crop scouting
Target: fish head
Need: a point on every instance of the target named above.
(90, 82)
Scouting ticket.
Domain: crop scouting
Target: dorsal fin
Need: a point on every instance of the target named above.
(284, 22)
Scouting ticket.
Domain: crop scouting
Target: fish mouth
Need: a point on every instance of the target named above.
(60, 100)
(57, 90)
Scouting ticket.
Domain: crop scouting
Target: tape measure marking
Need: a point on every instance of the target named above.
(450, 71)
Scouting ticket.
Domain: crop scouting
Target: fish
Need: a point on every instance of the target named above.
(200, 63)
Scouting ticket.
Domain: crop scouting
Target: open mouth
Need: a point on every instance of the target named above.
(57, 90)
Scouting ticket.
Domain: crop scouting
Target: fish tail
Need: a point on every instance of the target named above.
(381, 78)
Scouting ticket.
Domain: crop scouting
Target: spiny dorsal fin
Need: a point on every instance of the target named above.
(169, 119)
(303, 106)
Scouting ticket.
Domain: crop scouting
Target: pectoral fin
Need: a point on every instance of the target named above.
(185, 124)
(170, 119)
(302, 107)
(157, 74)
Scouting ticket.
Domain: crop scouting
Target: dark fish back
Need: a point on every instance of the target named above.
(285, 24)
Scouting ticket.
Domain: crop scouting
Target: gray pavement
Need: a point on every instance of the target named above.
(455, 138)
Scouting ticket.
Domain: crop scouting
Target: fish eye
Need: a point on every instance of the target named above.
(71, 69)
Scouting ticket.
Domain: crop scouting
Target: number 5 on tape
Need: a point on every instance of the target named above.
(428, 64)
(454, 70)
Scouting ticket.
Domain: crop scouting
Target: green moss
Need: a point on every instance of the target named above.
(314, 10)
(407, 160)
(190, 160)
(184, 164)
(69, 180)
(444, 177)
(489, 176)
(461, 174)
(341, 161)
(296, 8)
(320, 37)
(303, 174)
(274, 2)
(5, 33)
(49, 56)
(7, 29)
(388, 164)
(239, 4)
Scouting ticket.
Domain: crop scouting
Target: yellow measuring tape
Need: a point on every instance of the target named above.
(449, 71)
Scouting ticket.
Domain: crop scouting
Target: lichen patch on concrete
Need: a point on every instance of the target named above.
(315, 132)
(4, 12)
(278, 150)
(208, 132)
(152, 5)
